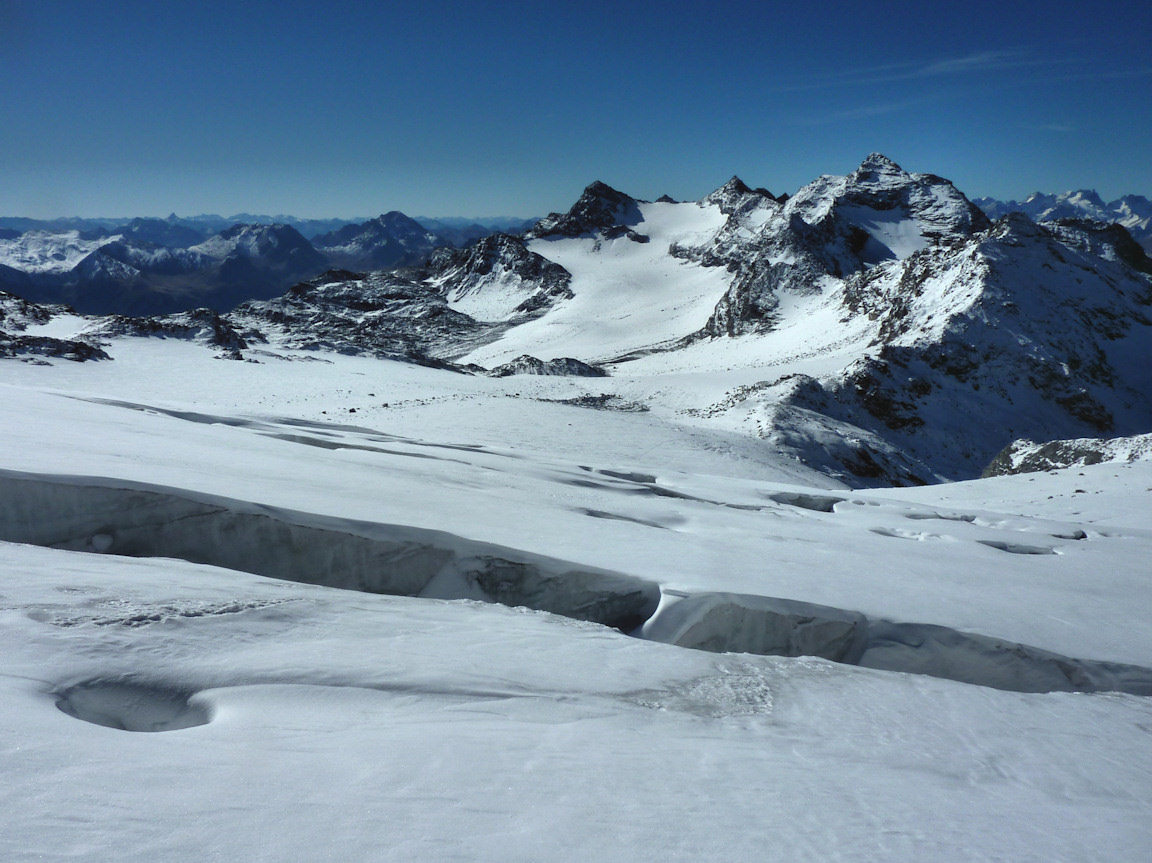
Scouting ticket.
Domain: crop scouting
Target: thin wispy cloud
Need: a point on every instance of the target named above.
(1114, 75)
(981, 62)
(955, 67)
(862, 112)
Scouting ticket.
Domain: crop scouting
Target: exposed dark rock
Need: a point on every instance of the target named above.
(1025, 456)
(565, 366)
(598, 208)
(202, 325)
(43, 346)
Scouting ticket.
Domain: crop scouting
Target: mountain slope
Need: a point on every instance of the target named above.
(122, 274)
(390, 240)
(876, 326)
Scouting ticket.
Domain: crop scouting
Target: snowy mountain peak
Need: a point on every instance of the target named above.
(498, 278)
(599, 208)
(1087, 196)
(736, 194)
(874, 166)
(254, 240)
(734, 186)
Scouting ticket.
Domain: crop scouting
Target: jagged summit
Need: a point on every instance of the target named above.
(391, 239)
(599, 208)
(498, 278)
(736, 194)
(903, 335)
(735, 186)
(879, 163)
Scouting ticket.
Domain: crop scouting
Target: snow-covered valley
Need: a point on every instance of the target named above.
(411, 727)
(379, 596)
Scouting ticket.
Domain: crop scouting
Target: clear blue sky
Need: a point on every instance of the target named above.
(353, 108)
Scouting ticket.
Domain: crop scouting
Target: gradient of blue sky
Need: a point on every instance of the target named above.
(353, 108)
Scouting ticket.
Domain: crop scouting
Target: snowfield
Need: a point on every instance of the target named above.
(299, 721)
(655, 298)
(325, 579)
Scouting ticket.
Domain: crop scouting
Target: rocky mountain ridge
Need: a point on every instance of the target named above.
(903, 335)
(1132, 212)
(158, 266)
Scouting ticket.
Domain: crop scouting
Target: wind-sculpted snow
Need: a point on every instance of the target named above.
(780, 627)
(87, 514)
(132, 706)
(141, 521)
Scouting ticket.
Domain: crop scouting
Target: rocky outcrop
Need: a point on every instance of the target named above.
(599, 208)
(200, 325)
(498, 278)
(1025, 456)
(31, 347)
(565, 366)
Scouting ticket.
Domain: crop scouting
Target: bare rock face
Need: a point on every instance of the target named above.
(32, 347)
(199, 325)
(599, 208)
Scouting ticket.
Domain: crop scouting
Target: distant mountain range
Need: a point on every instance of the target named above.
(203, 226)
(155, 266)
(877, 326)
(1134, 212)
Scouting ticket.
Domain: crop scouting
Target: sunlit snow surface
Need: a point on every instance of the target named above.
(663, 298)
(48, 252)
(300, 722)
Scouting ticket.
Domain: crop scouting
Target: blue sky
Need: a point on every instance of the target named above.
(342, 109)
